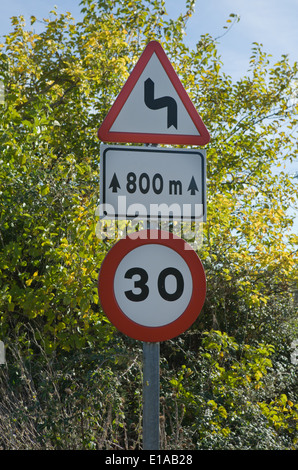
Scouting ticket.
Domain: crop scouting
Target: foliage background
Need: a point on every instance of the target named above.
(71, 380)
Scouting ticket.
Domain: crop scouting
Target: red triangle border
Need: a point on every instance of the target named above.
(104, 133)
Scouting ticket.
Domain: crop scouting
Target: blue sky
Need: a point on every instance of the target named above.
(272, 23)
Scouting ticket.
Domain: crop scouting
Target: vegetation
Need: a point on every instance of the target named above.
(71, 380)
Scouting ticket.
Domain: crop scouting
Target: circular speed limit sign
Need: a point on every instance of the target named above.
(152, 285)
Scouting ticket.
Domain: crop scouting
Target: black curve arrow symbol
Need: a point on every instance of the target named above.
(158, 103)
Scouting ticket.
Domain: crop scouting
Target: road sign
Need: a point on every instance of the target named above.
(153, 106)
(152, 286)
(152, 182)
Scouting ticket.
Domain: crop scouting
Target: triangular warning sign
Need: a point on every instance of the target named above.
(153, 106)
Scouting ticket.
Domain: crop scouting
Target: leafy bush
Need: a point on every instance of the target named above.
(72, 381)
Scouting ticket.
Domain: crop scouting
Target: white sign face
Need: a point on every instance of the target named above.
(152, 182)
(153, 285)
(166, 116)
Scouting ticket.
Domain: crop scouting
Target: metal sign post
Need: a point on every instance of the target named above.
(152, 284)
(151, 396)
(151, 387)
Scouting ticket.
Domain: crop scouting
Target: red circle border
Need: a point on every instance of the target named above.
(106, 286)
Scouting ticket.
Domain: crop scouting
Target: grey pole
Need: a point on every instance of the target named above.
(151, 387)
(151, 396)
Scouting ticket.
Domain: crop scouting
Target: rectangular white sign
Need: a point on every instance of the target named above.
(152, 182)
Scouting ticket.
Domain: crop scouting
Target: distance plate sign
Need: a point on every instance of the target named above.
(152, 182)
(152, 285)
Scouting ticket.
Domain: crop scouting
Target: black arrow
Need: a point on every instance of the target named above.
(158, 103)
(192, 187)
(114, 184)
